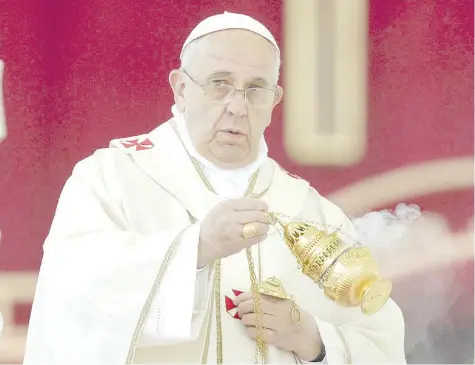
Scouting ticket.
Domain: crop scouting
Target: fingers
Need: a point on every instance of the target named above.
(248, 204)
(269, 321)
(248, 216)
(249, 242)
(269, 334)
(246, 304)
(260, 228)
(244, 297)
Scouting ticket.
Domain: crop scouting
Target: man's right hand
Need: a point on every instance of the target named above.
(221, 230)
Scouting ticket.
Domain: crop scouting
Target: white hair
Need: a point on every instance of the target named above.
(188, 53)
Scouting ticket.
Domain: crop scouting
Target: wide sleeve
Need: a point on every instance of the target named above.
(159, 327)
(99, 282)
(349, 335)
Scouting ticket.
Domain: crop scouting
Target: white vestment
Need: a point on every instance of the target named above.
(104, 298)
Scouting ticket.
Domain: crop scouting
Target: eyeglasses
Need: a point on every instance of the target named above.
(219, 91)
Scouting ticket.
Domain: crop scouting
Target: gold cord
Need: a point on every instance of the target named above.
(261, 342)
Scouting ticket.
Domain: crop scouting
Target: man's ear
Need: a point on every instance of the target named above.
(279, 94)
(177, 83)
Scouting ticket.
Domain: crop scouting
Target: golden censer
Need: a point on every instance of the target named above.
(347, 272)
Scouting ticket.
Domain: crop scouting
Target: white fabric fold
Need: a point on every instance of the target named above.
(97, 273)
(174, 308)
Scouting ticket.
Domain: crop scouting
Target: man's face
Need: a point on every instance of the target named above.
(227, 133)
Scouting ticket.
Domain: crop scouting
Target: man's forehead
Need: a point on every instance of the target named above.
(236, 53)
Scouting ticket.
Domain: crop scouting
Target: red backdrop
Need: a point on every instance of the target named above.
(79, 73)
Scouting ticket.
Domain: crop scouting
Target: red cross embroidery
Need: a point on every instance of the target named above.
(231, 308)
(146, 144)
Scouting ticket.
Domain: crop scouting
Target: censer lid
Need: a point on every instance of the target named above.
(294, 230)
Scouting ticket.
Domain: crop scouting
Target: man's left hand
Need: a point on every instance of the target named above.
(302, 338)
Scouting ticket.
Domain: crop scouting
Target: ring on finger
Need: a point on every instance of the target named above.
(249, 230)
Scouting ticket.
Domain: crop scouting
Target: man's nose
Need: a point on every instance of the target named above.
(237, 106)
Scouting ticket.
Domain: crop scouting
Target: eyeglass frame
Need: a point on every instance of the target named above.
(234, 89)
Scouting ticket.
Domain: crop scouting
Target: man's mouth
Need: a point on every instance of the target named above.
(234, 132)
